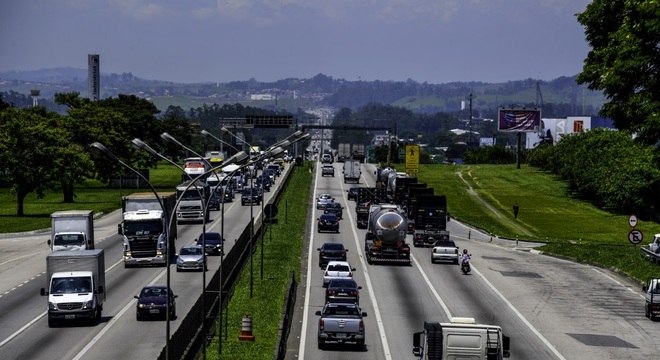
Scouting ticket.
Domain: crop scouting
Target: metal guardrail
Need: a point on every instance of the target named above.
(187, 341)
(287, 316)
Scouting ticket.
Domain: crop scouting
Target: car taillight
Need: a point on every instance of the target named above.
(322, 253)
(361, 326)
(353, 293)
(321, 324)
(331, 292)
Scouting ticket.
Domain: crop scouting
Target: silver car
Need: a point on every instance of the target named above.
(191, 257)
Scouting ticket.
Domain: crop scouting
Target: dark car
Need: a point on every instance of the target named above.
(342, 291)
(213, 242)
(271, 174)
(276, 168)
(334, 208)
(152, 302)
(226, 193)
(214, 201)
(251, 195)
(328, 222)
(331, 252)
(352, 193)
(263, 182)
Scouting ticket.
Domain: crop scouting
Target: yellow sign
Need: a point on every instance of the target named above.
(412, 158)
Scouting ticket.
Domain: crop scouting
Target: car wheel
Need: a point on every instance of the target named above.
(432, 261)
(321, 344)
(647, 313)
(138, 317)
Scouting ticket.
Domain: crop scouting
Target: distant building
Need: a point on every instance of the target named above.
(554, 129)
(94, 76)
(262, 97)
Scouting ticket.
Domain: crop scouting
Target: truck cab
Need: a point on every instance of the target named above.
(651, 292)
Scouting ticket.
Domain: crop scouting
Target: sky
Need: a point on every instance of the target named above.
(188, 41)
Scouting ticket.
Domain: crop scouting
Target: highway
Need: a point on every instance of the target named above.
(551, 308)
(25, 334)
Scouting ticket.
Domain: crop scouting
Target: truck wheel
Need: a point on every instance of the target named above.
(647, 313)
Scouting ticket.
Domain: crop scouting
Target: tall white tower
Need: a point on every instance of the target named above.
(94, 76)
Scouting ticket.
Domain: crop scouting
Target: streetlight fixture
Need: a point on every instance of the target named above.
(208, 134)
(105, 151)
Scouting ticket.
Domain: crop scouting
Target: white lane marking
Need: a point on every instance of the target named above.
(618, 283)
(114, 320)
(372, 295)
(520, 316)
(308, 283)
(428, 283)
(19, 331)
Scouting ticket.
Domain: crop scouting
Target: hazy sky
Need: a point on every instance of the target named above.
(436, 41)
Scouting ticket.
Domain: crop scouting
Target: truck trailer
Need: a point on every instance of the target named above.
(385, 240)
(352, 172)
(75, 285)
(71, 230)
(146, 236)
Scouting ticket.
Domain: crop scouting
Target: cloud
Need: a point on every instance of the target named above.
(140, 9)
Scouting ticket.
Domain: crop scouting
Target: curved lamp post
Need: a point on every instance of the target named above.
(104, 150)
(208, 134)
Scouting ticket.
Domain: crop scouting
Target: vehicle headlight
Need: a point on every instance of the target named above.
(179, 261)
(201, 260)
(52, 306)
(141, 306)
(88, 304)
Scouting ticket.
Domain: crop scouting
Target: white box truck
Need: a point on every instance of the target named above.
(352, 171)
(461, 338)
(72, 230)
(75, 285)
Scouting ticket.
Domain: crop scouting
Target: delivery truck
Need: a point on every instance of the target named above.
(75, 286)
(71, 230)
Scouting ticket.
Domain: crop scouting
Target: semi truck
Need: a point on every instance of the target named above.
(352, 172)
(364, 198)
(193, 196)
(358, 153)
(461, 338)
(385, 240)
(71, 230)
(430, 220)
(343, 152)
(144, 228)
(75, 285)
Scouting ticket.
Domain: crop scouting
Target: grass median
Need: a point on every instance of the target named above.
(282, 250)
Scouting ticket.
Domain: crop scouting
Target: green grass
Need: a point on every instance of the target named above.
(572, 228)
(283, 244)
(91, 195)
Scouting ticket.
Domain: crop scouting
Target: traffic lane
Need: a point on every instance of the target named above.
(470, 296)
(316, 298)
(585, 312)
(24, 304)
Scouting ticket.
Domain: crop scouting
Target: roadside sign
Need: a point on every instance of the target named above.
(412, 158)
(632, 220)
(635, 236)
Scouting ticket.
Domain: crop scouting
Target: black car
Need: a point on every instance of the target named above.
(263, 182)
(342, 291)
(331, 252)
(214, 201)
(152, 302)
(251, 195)
(352, 193)
(212, 241)
(328, 222)
(334, 208)
(276, 169)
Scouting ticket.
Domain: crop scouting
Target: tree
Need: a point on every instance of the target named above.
(624, 62)
(31, 148)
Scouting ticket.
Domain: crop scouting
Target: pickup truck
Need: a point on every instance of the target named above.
(341, 323)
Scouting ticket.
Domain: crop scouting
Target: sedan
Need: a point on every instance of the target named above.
(334, 208)
(337, 270)
(342, 290)
(152, 302)
(444, 250)
(212, 242)
(352, 193)
(328, 222)
(331, 252)
(191, 257)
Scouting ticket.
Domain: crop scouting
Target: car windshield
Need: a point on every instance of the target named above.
(191, 251)
(210, 238)
(342, 283)
(444, 243)
(154, 292)
(71, 285)
(338, 267)
(342, 311)
(332, 246)
(328, 217)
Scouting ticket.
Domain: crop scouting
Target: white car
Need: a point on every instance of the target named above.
(337, 270)
(444, 250)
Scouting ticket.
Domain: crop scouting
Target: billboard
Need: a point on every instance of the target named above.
(517, 120)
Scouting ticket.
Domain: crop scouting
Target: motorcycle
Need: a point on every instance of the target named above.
(465, 264)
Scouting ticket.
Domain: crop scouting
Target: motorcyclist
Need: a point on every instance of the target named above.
(465, 256)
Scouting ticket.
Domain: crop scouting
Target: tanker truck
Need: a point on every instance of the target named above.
(385, 241)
